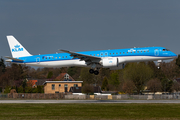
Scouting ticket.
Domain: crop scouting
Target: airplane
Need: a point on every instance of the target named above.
(113, 59)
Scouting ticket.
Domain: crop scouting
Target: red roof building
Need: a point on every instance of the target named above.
(64, 77)
(32, 83)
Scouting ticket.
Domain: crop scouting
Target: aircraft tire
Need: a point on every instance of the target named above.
(96, 72)
(91, 71)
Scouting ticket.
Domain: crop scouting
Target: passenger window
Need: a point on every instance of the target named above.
(138, 51)
(56, 57)
(123, 52)
(116, 53)
(113, 53)
(127, 52)
(110, 53)
(62, 56)
(120, 52)
(66, 56)
(134, 52)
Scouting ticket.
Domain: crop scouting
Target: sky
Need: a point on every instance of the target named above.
(44, 26)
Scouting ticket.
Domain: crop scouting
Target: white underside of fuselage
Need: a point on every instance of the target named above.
(77, 62)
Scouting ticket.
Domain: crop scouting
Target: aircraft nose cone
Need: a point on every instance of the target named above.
(174, 55)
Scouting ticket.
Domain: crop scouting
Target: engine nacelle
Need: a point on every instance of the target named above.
(109, 62)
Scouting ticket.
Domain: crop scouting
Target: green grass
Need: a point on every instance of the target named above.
(90, 111)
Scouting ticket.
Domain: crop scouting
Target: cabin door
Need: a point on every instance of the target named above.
(38, 60)
(156, 52)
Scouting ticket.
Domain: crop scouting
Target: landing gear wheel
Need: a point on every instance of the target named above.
(96, 72)
(91, 71)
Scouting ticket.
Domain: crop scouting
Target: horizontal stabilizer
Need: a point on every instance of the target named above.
(15, 59)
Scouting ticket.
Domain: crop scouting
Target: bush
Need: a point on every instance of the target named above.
(88, 89)
(7, 89)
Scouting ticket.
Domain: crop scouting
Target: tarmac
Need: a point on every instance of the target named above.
(89, 101)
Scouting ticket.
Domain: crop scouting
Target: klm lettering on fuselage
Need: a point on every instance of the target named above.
(17, 48)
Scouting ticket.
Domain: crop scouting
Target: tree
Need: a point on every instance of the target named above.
(166, 85)
(24, 84)
(158, 73)
(40, 89)
(88, 89)
(105, 84)
(170, 69)
(86, 77)
(74, 72)
(128, 87)
(20, 89)
(114, 80)
(176, 86)
(178, 61)
(2, 66)
(154, 85)
(50, 74)
(139, 73)
(28, 89)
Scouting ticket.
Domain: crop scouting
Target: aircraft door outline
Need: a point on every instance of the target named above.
(156, 52)
(38, 60)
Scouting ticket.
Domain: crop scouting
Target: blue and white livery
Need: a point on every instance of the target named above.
(113, 59)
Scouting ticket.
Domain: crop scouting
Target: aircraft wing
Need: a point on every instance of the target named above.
(84, 57)
(15, 59)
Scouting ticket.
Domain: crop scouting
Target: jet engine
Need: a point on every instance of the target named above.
(109, 62)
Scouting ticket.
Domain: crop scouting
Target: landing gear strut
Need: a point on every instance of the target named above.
(158, 63)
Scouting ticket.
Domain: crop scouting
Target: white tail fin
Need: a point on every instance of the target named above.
(17, 50)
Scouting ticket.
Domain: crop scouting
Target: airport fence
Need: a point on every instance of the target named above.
(175, 96)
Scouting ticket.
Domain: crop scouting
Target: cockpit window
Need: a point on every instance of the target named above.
(166, 50)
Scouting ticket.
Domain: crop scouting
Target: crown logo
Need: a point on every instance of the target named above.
(17, 46)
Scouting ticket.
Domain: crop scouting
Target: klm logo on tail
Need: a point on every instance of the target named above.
(17, 48)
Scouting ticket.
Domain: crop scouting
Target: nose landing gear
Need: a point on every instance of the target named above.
(158, 63)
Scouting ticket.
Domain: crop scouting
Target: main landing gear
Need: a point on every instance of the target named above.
(96, 72)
